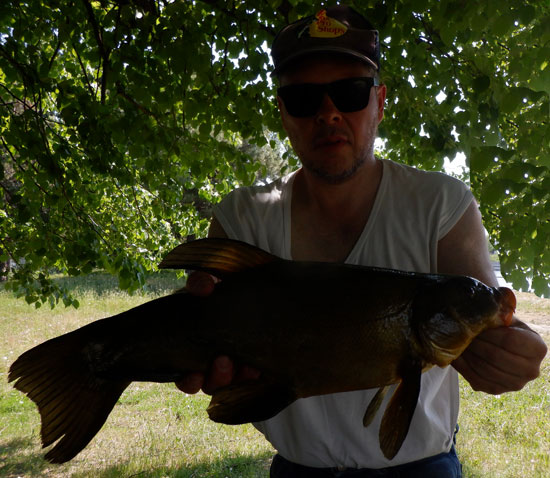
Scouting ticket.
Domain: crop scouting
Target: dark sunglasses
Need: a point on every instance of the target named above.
(348, 95)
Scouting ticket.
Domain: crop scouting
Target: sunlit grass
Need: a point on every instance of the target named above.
(506, 436)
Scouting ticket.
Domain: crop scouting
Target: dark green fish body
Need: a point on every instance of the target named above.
(310, 328)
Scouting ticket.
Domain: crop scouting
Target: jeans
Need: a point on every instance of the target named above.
(445, 465)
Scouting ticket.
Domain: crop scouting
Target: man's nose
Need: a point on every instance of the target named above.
(328, 113)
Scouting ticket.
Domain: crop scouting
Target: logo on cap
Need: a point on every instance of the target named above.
(326, 27)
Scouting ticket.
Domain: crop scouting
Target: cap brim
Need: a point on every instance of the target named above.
(324, 49)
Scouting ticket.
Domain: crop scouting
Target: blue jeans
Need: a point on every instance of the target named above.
(445, 465)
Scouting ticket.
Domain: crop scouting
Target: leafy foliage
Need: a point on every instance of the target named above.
(121, 122)
(491, 62)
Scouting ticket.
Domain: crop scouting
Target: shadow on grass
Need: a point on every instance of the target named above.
(14, 464)
(256, 466)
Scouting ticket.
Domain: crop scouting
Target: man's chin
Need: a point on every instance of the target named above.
(338, 176)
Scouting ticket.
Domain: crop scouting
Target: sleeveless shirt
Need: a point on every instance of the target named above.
(413, 210)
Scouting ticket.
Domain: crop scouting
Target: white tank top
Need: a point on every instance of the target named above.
(413, 210)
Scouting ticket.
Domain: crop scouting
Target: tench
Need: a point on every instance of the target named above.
(310, 328)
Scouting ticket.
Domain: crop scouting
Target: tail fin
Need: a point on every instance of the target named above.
(73, 402)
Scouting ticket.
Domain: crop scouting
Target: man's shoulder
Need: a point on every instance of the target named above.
(410, 177)
(408, 171)
(268, 191)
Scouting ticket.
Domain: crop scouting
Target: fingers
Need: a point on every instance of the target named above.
(192, 383)
(200, 283)
(220, 375)
(246, 373)
(502, 360)
(222, 371)
(487, 376)
(517, 341)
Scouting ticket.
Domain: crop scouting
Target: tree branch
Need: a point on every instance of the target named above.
(22, 68)
(122, 92)
(82, 67)
(20, 167)
(57, 48)
(102, 51)
(431, 32)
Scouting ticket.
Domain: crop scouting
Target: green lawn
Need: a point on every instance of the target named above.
(157, 431)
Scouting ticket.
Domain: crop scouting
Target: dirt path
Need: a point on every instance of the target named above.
(535, 311)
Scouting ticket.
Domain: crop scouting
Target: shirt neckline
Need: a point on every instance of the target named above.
(352, 256)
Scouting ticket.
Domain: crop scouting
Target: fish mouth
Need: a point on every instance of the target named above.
(507, 305)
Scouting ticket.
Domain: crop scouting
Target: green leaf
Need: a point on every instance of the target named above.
(512, 100)
(527, 14)
(448, 34)
(493, 193)
(481, 83)
(518, 280)
(541, 285)
(481, 159)
(204, 130)
(540, 80)
(503, 23)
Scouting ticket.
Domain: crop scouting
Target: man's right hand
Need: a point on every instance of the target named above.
(200, 283)
(222, 371)
(220, 374)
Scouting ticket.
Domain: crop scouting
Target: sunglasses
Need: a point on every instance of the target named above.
(348, 95)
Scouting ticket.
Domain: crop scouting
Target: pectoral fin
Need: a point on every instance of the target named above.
(400, 410)
(249, 401)
(374, 405)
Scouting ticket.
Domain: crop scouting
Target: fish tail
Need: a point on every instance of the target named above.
(72, 401)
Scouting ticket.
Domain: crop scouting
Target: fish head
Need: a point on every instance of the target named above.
(449, 313)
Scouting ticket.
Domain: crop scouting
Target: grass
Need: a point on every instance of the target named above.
(506, 436)
(156, 431)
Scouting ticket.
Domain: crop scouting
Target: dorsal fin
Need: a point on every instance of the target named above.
(217, 256)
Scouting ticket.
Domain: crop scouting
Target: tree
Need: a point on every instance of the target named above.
(122, 121)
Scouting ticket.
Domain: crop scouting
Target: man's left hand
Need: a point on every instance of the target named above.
(502, 359)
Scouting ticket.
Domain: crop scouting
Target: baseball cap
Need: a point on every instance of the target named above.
(337, 29)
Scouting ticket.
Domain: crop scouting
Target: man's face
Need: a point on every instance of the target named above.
(330, 144)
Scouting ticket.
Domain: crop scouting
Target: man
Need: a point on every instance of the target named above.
(344, 205)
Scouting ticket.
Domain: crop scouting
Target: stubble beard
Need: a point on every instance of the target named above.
(358, 161)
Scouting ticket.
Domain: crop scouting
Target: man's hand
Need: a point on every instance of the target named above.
(200, 283)
(219, 375)
(502, 359)
(222, 371)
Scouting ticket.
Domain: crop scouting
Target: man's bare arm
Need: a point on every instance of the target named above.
(499, 360)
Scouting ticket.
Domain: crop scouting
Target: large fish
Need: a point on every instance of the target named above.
(310, 328)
